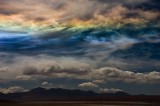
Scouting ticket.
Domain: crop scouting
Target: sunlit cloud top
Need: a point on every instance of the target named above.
(40, 15)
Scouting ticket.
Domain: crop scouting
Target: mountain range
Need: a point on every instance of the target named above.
(59, 94)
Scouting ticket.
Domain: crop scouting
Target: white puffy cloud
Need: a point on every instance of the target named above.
(88, 84)
(111, 90)
(46, 84)
(114, 74)
(14, 89)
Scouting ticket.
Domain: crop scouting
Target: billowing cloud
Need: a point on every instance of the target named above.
(114, 74)
(88, 84)
(45, 15)
(26, 67)
(39, 67)
(109, 90)
(14, 89)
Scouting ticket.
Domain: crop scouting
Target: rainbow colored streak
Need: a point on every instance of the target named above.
(14, 23)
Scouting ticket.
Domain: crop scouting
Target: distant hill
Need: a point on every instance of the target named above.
(59, 94)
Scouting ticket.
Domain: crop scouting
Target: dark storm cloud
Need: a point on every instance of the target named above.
(153, 5)
(37, 19)
(56, 70)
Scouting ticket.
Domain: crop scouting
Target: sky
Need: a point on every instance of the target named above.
(100, 45)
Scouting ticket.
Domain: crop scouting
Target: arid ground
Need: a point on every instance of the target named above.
(81, 104)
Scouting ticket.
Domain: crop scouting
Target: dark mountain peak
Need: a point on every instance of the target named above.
(118, 93)
(121, 93)
(68, 92)
(39, 89)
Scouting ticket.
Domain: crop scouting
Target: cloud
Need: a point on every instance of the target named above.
(14, 89)
(25, 77)
(94, 83)
(122, 1)
(88, 84)
(104, 49)
(45, 15)
(99, 81)
(58, 67)
(114, 74)
(106, 73)
(3, 69)
(46, 84)
(42, 67)
(111, 90)
(33, 67)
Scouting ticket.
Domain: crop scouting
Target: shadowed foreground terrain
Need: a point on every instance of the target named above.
(80, 103)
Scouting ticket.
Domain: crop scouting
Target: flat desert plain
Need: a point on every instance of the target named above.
(108, 103)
